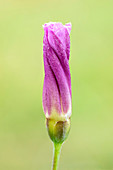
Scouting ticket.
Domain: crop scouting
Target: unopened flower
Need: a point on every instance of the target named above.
(57, 83)
(57, 80)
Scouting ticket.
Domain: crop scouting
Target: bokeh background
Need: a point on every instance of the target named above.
(24, 142)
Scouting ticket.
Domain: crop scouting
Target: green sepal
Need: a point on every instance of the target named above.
(58, 130)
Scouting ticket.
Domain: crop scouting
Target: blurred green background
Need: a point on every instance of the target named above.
(24, 142)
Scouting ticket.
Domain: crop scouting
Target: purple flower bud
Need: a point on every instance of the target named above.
(57, 80)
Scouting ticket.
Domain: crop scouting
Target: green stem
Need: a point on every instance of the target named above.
(56, 155)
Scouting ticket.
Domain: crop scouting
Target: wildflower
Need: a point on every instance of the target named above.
(57, 80)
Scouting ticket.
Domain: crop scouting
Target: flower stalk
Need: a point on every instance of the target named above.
(56, 155)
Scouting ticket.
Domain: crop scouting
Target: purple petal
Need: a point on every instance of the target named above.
(57, 81)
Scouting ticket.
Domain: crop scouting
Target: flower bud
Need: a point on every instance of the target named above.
(57, 80)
